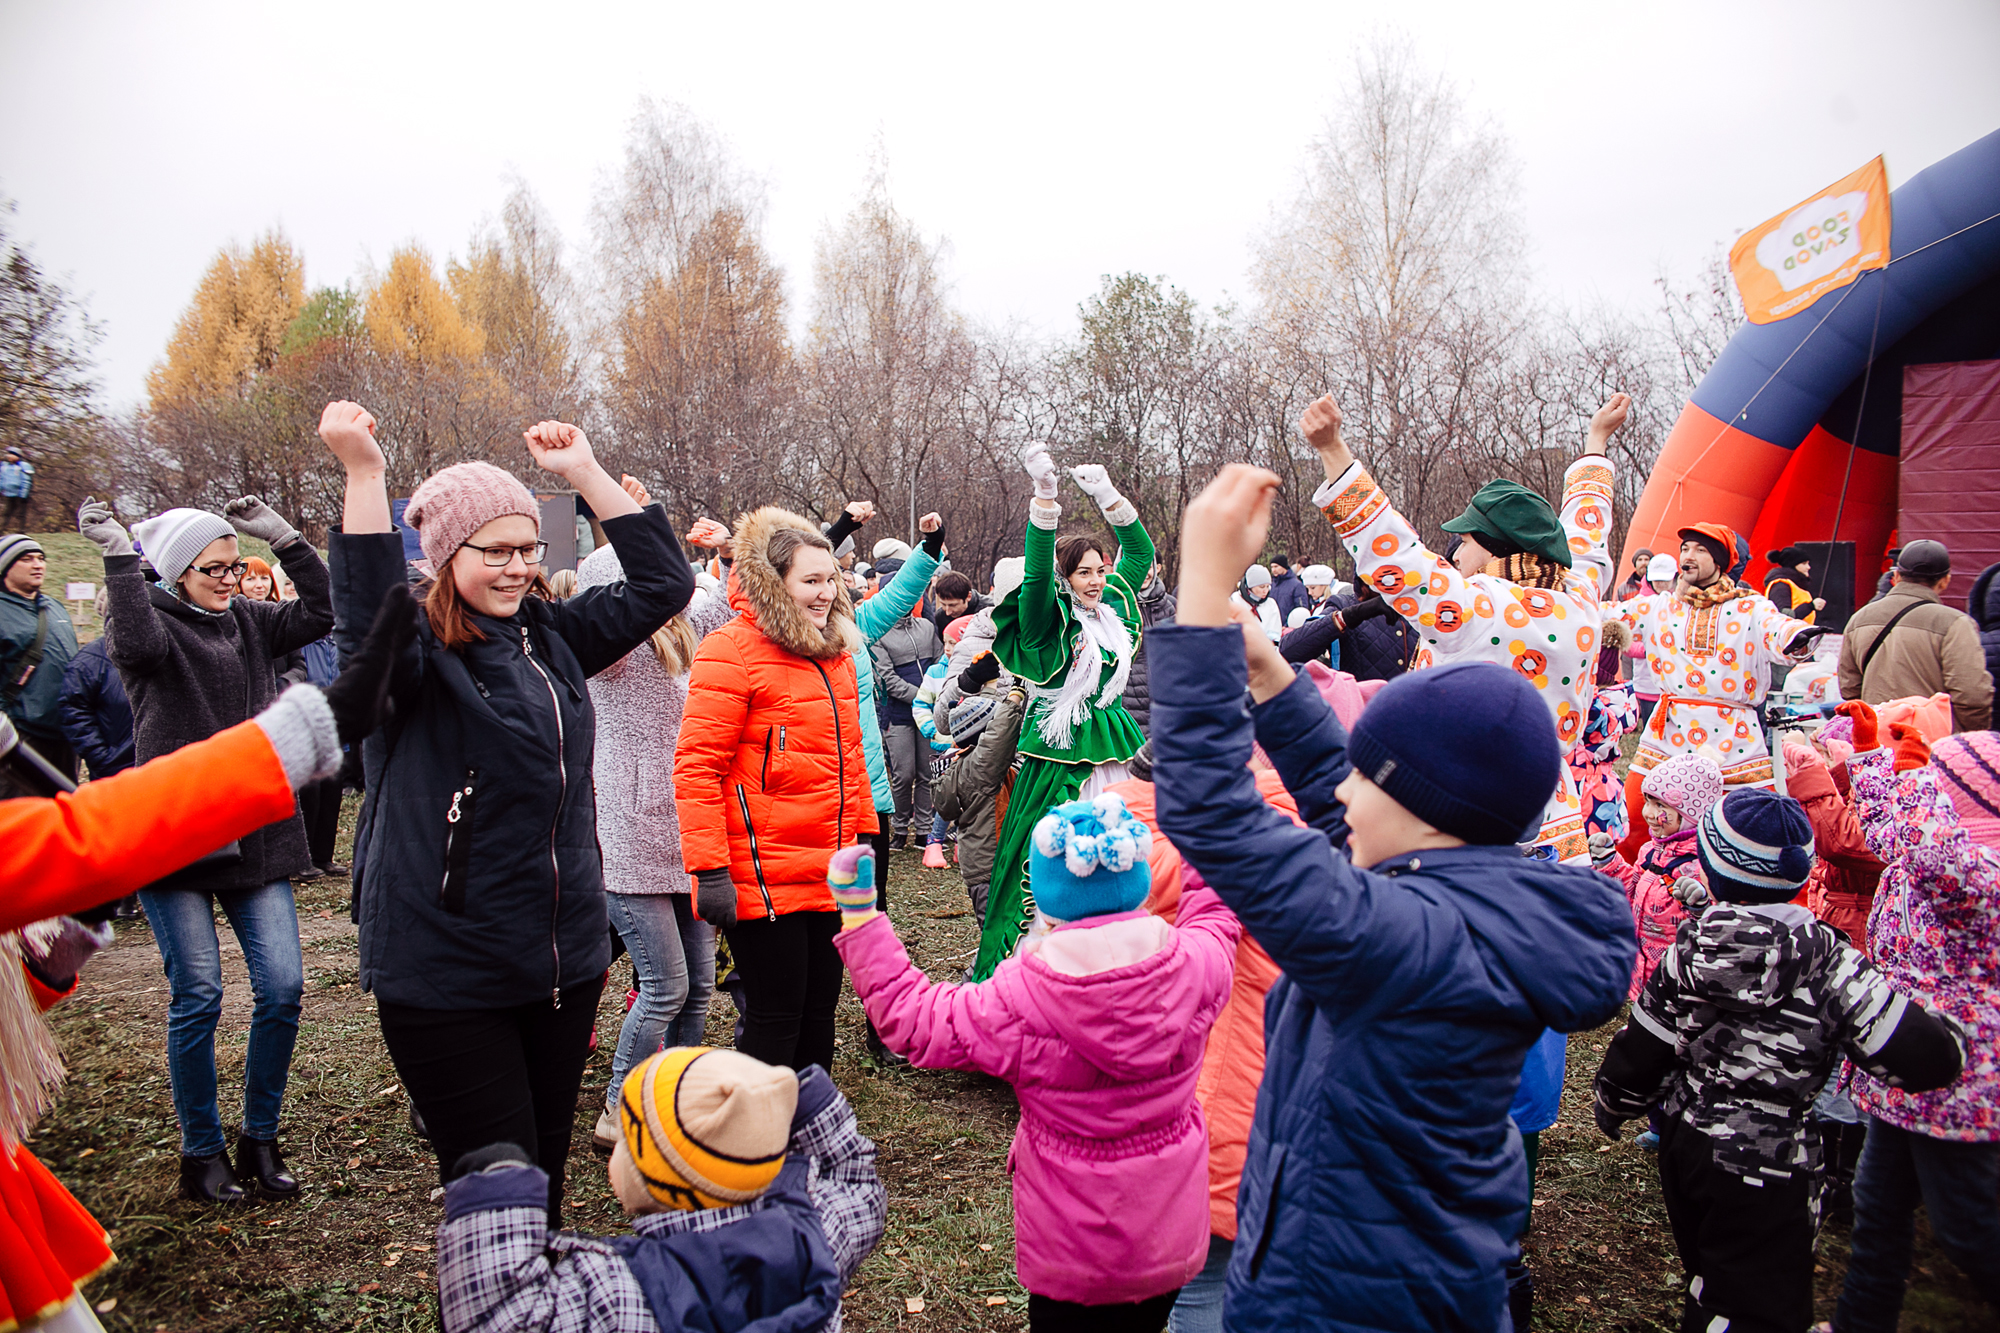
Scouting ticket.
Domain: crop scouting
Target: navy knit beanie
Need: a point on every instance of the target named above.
(1470, 749)
(1756, 847)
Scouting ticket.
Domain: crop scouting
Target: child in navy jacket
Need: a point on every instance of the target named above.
(1384, 1186)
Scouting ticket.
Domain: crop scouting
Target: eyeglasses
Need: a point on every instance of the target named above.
(498, 556)
(220, 571)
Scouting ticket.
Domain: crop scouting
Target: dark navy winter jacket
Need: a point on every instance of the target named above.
(96, 715)
(1289, 594)
(1384, 1186)
(478, 883)
(1984, 605)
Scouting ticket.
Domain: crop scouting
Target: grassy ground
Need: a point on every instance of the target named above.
(355, 1251)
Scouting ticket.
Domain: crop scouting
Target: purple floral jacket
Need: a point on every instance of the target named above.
(1935, 930)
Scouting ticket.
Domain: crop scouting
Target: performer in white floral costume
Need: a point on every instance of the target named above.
(1522, 589)
(1711, 644)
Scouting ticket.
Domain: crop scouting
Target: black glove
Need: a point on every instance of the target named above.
(1364, 610)
(934, 542)
(493, 1154)
(359, 696)
(984, 668)
(715, 897)
(1613, 1126)
(1801, 646)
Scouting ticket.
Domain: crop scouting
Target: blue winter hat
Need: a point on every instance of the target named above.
(1088, 858)
(1470, 749)
(1756, 847)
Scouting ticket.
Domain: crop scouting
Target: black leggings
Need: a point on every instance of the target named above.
(484, 1076)
(791, 986)
(1048, 1315)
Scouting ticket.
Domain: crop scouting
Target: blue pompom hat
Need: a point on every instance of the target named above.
(1088, 858)
(1756, 847)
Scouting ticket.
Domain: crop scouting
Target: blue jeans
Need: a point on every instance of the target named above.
(1198, 1309)
(1958, 1185)
(267, 926)
(673, 957)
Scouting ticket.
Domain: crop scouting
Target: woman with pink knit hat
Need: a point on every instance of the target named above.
(478, 881)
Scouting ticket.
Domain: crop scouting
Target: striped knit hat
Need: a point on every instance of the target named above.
(1968, 768)
(13, 546)
(707, 1128)
(1756, 847)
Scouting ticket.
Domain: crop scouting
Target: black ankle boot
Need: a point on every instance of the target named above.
(258, 1165)
(209, 1180)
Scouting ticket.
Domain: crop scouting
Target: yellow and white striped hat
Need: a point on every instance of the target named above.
(707, 1128)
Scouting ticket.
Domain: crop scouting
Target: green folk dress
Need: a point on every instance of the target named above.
(1037, 638)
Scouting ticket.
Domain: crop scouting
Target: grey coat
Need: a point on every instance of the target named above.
(969, 792)
(190, 674)
(639, 705)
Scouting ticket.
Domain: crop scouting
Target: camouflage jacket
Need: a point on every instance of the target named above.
(1757, 1004)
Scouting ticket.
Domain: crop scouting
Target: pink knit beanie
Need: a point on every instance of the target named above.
(453, 504)
(1689, 783)
(1968, 768)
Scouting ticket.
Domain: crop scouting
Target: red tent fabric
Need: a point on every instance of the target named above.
(1950, 471)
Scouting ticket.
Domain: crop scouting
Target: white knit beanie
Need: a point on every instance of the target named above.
(172, 541)
(891, 548)
(1008, 575)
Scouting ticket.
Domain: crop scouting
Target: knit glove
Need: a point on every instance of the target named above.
(94, 521)
(253, 518)
(1912, 750)
(715, 897)
(1613, 1126)
(1602, 848)
(55, 955)
(1366, 610)
(984, 668)
(1867, 728)
(851, 876)
(359, 695)
(1691, 894)
(1035, 461)
(1095, 482)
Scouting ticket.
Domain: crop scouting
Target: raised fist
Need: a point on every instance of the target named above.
(349, 431)
(707, 532)
(559, 447)
(1320, 423)
(1035, 461)
(1095, 482)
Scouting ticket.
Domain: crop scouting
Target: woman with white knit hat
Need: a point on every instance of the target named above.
(195, 660)
(479, 882)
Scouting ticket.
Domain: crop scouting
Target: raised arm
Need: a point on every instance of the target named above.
(1135, 545)
(134, 636)
(875, 616)
(286, 626)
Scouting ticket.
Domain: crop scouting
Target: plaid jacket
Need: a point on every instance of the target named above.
(501, 1268)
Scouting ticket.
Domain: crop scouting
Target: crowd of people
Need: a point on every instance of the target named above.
(1289, 887)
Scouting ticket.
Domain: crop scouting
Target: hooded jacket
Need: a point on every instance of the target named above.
(190, 674)
(1099, 1025)
(1842, 889)
(1983, 604)
(1384, 1186)
(1649, 888)
(770, 778)
(96, 715)
(478, 880)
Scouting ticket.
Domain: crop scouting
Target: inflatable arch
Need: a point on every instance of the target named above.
(1777, 441)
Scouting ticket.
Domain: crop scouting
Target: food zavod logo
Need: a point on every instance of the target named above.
(1815, 239)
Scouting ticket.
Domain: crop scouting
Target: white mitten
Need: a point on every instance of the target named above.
(1095, 482)
(1036, 463)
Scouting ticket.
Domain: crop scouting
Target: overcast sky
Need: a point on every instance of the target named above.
(1048, 143)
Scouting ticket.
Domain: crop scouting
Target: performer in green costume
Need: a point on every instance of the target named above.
(1068, 633)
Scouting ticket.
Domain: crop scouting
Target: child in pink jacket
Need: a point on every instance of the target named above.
(1678, 793)
(1099, 1023)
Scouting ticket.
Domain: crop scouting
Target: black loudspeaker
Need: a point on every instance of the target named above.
(1833, 578)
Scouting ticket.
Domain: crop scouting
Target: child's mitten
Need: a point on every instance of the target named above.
(1691, 893)
(1866, 727)
(851, 876)
(1602, 848)
(1912, 750)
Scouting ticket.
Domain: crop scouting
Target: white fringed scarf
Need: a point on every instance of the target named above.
(30, 1062)
(1065, 709)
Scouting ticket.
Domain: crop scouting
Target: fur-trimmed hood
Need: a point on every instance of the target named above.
(758, 591)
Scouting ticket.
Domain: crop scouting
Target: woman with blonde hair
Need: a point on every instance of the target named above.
(639, 701)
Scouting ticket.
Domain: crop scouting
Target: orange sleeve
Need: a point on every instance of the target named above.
(116, 835)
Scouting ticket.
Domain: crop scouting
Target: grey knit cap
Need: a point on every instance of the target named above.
(173, 540)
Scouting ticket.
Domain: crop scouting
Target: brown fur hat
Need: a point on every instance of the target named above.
(757, 587)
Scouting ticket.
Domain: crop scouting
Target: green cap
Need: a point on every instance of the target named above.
(1520, 518)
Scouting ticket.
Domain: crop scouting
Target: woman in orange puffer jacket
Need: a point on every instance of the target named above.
(770, 780)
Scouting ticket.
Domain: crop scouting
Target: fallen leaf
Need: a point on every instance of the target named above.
(325, 914)
(386, 1091)
(995, 1300)
(1583, 1300)
(437, 1194)
(85, 1153)
(425, 1248)
(913, 1304)
(274, 1224)
(353, 1162)
(938, 1158)
(1604, 1148)
(1604, 1249)
(106, 1306)
(987, 1248)
(367, 1287)
(223, 1229)
(1539, 1202)
(392, 1260)
(357, 1143)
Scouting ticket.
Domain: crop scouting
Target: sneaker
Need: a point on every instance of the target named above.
(934, 857)
(604, 1137)
(1647, 1140)
(900, 842)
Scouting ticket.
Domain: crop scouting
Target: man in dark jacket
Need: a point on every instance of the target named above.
(1984, 605)
(96, 716)
(952, 596)
(1288, 590)
(1377, 1192)
(1156, 607)
(36, 644)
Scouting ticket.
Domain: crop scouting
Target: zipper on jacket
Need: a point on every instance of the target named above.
(756, 862)
(840, 753)
(562, 794)
(458, 845)
(764, 782)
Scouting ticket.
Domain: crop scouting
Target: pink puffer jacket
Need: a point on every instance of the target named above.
(1649, 887)
(1099, 1025)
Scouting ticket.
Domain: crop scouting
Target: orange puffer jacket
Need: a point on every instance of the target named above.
(769, 775)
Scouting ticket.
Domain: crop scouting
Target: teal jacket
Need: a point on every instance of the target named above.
(874, 617)
(38, 709)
